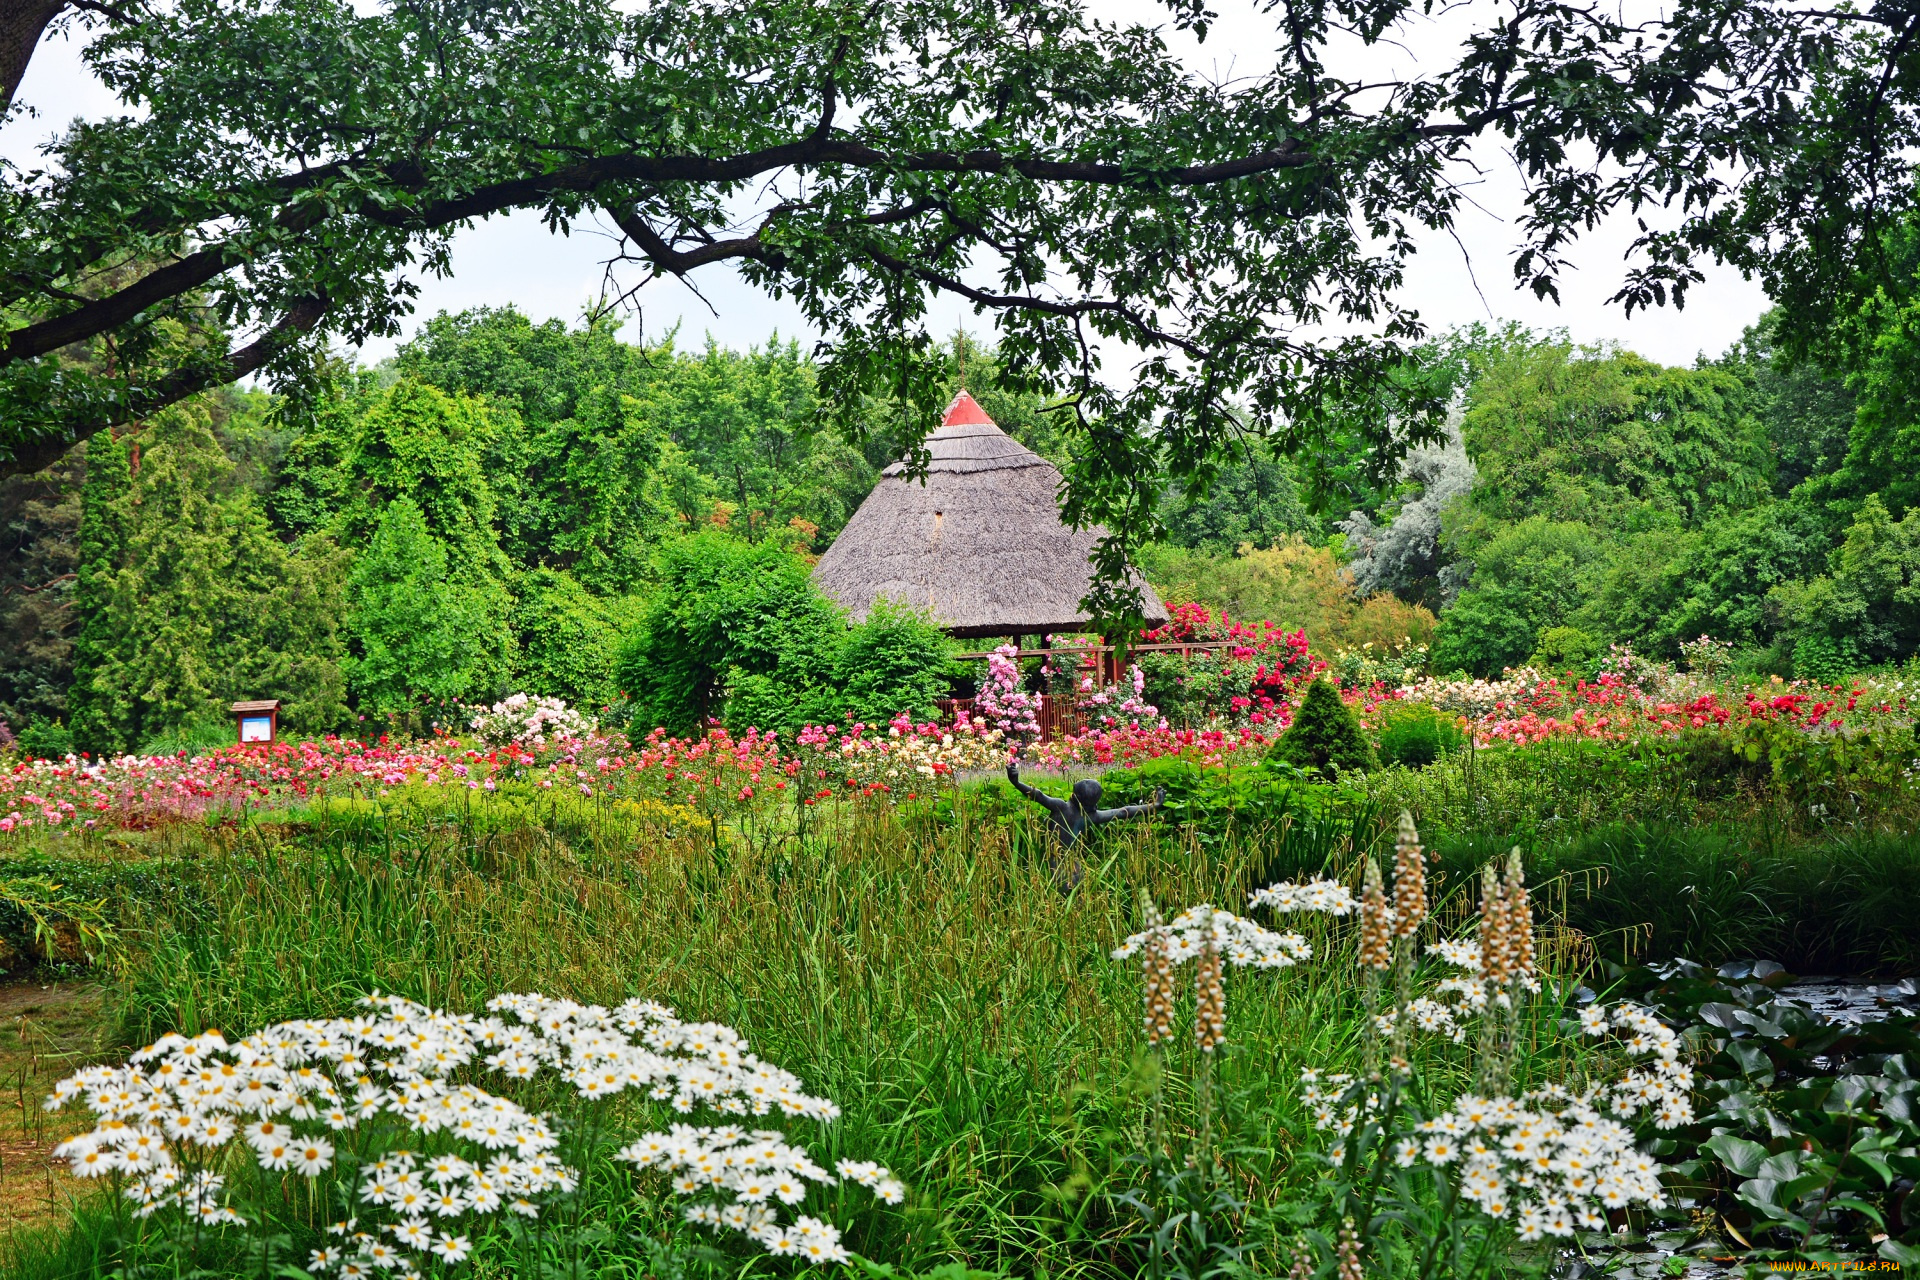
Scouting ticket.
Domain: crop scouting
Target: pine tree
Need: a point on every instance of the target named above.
(422, 629)
(93, 710)
(187, 600)
(1324, 733)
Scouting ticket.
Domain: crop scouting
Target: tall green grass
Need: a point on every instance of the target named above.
(931, 968)
(1846, 904)
(1553, 788)
(1683, 848)
(929, 973)
(1650, 850)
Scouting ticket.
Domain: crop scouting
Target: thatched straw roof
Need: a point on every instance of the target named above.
(979, 544)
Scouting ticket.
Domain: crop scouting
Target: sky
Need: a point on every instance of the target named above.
(515, 260)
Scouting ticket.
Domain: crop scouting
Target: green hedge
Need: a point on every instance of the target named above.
(1824, 898)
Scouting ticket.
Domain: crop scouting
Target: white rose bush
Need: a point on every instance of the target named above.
(525, 721)
(379, 1123)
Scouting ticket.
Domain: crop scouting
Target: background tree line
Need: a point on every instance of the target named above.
(509, 506)
(497, 508)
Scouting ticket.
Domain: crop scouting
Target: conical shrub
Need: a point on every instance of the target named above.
(1324, 734)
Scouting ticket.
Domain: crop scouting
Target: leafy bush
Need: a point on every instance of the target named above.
(46, 740)
(1324, 734)
(1393, 666)
(1792, 778)
(724, 610)
(739, 632)
(68, 910)
(1293, 584)
(897, 660)
(1415, 735)
(1841, 904)
(1486, 631)
(1564, 649)
(187, 599)
(1823, 658)
(567, 638)
(1526, 580)
(1869, 608)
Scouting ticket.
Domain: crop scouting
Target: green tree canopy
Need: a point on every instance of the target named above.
(1610, 439)
(424, 627)
(280, 164)
(188, 601)
(738, 632)
(567, 638)
(1528, 578)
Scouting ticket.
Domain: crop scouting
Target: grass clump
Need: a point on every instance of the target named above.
(1415, 735)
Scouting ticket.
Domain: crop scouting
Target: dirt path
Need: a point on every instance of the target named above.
(47, 1030)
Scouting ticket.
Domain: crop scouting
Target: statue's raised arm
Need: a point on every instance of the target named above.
(1071, 818)
(1057, 807)
(1101, 817)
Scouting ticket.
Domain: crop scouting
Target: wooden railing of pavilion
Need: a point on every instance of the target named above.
(1058, 717)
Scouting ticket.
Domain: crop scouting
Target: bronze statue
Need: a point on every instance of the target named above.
(1071, 818)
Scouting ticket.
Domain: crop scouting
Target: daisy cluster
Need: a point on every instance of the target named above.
(641, 1045)
(1664, 1088)
(1551, 1160)
(690, 1066)
(169, 1121)
(1329, 896)
(372, 1095)
(1455, 1000)
(750, 1171)
(1239, 940)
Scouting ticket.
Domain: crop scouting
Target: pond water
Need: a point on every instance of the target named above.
(1852, 1000)
(1841, 1000)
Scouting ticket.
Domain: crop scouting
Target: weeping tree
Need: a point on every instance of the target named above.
(282, 164)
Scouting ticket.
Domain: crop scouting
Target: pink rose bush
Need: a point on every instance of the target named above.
(1003, 703)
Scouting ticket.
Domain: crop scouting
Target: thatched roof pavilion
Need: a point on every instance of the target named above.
(979, 545)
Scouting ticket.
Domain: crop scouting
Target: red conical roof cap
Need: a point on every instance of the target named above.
(965, 411)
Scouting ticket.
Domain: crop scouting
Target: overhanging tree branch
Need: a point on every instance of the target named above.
(142, 399)
(22, 23)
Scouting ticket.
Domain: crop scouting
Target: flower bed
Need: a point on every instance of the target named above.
(1526, 706)
(539, 745)
(718, 774)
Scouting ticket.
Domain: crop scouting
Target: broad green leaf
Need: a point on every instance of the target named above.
(1738, 1154)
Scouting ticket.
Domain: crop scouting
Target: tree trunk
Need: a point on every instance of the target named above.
(22, 22)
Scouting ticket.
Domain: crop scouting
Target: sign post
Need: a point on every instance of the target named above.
(258, 722)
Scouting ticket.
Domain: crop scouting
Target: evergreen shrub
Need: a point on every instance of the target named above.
(1324, 734)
